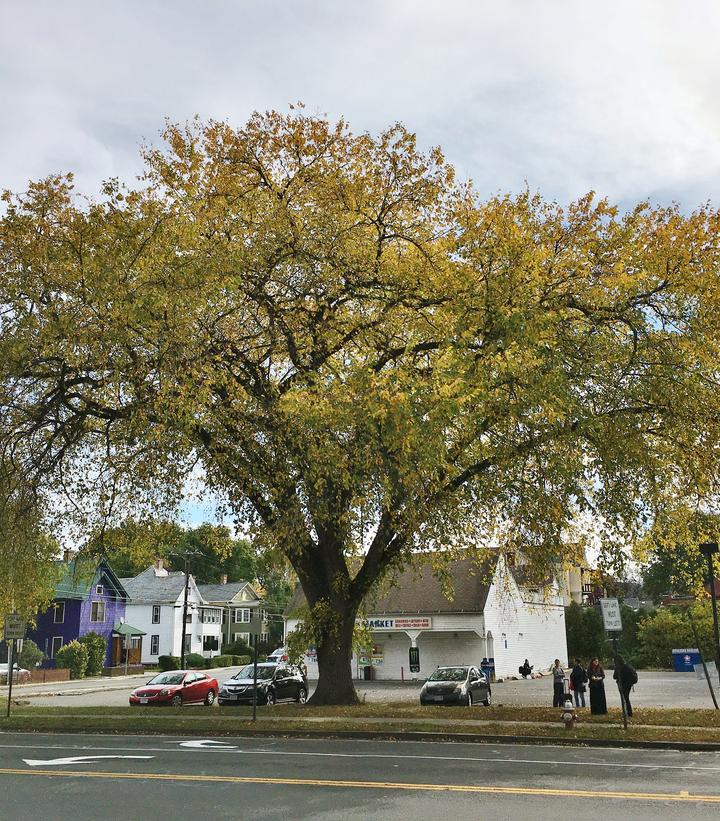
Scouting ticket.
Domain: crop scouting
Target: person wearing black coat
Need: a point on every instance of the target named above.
(596, 685)
(626, 678)
(578, 679)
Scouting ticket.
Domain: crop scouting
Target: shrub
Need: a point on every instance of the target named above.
(237, 648)
(73, 656)
(223, 661)
(168, 663)
(30, 655)
(241, 660)
(194, 660)
(97, 648)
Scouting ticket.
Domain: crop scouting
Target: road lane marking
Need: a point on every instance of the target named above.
(205, 743)
(392, 756)
(78, 759)
(376, 785)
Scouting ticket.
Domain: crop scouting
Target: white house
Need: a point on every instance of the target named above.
(155, 605)
(495, 616)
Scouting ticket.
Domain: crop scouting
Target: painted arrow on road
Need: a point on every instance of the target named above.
(76, 759)
(208, 742)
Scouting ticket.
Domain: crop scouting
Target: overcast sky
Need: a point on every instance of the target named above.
(620, 97)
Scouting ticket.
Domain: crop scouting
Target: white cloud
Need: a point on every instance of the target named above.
(568, 95)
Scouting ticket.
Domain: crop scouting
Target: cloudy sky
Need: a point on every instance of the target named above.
(620, 97)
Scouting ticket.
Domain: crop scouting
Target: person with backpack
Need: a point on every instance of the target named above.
(578, 679)
(626, 677)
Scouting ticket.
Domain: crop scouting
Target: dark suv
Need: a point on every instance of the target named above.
(276, 681)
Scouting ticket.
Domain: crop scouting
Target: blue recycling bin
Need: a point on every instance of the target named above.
(685, 659)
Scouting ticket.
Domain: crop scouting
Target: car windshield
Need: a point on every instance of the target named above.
(264, 672)
(449, 674)
(168, 678)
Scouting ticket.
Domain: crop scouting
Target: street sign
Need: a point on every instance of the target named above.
(15, 626)
(611, 615)
(414, 659)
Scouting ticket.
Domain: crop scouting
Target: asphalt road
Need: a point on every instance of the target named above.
(138, 778)
(653, 690)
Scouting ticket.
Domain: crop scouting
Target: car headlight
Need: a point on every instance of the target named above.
(459, 688)
(165, 692)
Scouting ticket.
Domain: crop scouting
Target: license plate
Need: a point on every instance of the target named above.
(143, 701)
(436, 698)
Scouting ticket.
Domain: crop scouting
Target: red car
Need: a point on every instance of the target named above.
(177, 687)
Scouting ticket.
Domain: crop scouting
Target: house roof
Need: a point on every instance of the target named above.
(148, 587)
(124, 629)
(79, 576)
(417, 590)
(224, 593)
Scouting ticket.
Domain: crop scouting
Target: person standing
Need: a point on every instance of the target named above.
(596, 683)
(626, 678)
(578, 679)
(558, 684)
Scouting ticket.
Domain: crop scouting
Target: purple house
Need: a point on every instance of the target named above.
(89, 598)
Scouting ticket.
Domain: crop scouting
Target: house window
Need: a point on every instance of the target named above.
(210, 643)
(242, 615)
(57, 643)
(264, 638)
(244, 637)
(99, 590)
(60, 612)
(154, 645)
(97, 611)
(156, 614)
(210, 616)
(263, 615)
(188, 618)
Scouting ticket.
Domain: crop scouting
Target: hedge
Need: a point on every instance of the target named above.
(73, 656)
(194, 660)
(168, 663)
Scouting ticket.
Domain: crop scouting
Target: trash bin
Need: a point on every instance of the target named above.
(685, 659)
(369, 673)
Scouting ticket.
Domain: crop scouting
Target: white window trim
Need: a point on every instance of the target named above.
(242, 637)
(99, 590)
(56, 620)
(242, 612)
(155, 643)
(99, 605)
(54, 649)
(154, 620)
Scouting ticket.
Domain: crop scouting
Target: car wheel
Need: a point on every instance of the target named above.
(302, 696)
(270, 698)
(176, 700)
(210, 697)
(469, 700)
(488, 699)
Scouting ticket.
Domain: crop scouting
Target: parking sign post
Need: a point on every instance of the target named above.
(15, 627)
(612, 620)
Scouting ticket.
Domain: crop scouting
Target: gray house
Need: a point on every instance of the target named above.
(241, 610)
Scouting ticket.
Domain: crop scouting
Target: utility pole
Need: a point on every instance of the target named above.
(186, 556)
(709, 549)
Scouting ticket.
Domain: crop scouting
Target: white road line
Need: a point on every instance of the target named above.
(312, 754)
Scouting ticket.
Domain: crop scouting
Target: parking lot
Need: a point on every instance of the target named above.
(653, 690)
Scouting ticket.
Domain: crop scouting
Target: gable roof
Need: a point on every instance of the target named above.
(417, 590)
(80, 576)
(225, 593)
(147, 587)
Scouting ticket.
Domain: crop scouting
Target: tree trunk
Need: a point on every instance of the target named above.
(334, 654)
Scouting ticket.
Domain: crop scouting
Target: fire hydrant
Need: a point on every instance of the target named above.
(568, 715)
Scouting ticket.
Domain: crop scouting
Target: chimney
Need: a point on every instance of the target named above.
(159, 568)
(69, 555)
(223, 578)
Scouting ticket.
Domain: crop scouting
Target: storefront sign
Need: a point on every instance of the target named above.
(399, 623)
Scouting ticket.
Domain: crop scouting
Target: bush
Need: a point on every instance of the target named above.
(237, 648)
(73, 656)
(30, 655)
(97, 648)
(168, 663)
(241, 660)
(223, 661)
(194, 660)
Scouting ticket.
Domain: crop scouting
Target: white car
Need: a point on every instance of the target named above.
(281, 654)
(20, 674)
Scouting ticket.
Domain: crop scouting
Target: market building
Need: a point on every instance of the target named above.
(493, 616)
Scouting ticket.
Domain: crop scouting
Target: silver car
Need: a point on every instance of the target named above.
(460, 684)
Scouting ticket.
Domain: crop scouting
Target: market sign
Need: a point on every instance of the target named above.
(399, 623)
(611, 615)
